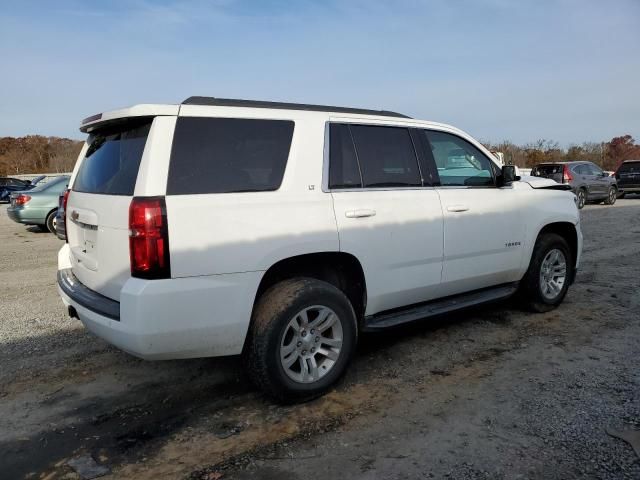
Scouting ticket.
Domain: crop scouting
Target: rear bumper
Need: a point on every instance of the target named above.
(26, 216)
(629, 188)
(165, 319)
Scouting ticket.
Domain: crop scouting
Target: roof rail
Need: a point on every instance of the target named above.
(230, 102)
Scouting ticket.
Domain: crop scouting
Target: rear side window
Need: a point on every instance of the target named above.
(224, 155)
(344, 171)
(386, 156)
(111, 163)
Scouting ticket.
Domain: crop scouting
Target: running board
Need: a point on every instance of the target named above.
(393, 318)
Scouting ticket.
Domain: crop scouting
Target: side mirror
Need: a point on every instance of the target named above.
(508, 175)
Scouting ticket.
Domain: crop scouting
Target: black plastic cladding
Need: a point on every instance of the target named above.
(230, 102)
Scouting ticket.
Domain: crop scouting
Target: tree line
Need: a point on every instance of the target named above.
(39, 154)
(608, 155)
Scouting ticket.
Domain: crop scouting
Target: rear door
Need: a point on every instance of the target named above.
(598, 182)
(385, 217)
(98, 205)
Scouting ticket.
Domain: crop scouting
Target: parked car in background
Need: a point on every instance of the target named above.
(9, 185)
(61, 227)
(628, 177)
(283, 231)
(38, 206)
(588, 181)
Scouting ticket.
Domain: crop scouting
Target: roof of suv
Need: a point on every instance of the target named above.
(230, 102)
(142, 110)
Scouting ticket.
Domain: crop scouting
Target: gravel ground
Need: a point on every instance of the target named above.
(494, 393)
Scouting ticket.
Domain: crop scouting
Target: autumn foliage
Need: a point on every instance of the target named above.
(37, 154)
(606, 154)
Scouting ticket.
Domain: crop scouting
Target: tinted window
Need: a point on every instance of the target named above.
(540, 170)
(111, 163)
(386, 156)
(222, 155)
(343, 165)
(459, 163)
(629, 167)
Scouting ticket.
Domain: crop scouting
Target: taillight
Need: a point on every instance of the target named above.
(65, 198)
(22, 199)
(566, 174)
(148, 238)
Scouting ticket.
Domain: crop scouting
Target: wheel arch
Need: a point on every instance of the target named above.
(342, 270)
(566, 230)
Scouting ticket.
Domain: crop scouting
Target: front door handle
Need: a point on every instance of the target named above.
(359, 213)
(457, 208)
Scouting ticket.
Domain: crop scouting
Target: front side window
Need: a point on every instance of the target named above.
(224, 155)
(459, 163)
(386, 156)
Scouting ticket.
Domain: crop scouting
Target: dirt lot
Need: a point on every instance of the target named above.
(494, 393)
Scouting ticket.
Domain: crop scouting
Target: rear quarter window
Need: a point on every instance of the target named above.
(111, 163)
(225, 155)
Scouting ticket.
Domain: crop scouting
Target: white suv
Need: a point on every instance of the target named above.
(282, 231)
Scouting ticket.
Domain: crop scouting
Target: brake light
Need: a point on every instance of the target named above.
(148, 238)
(22, 199)
(566, 174)
(65, 197)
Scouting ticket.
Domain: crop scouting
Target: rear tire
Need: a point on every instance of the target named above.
(581, 194)
(546, 282)
(51, 222)
(286, 330)
(612, 196)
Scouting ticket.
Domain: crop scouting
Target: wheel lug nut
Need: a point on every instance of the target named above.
(312, 332)
(304, 333)
(304, 352)
(317, 339)
(299, 344)
(313, 350)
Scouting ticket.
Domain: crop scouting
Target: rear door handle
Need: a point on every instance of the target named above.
(457, 208)
(359, 213)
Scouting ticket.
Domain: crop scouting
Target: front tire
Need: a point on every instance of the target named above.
(303, 336)
(546, 282)
(612, 196)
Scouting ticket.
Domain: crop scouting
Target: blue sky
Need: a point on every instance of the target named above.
(567, 70)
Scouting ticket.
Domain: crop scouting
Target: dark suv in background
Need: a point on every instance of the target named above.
(628, 177)
(588, 181)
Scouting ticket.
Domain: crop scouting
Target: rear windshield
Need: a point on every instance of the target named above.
(546, 169)
(629, 167)
(111, 163)
(223, 155)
